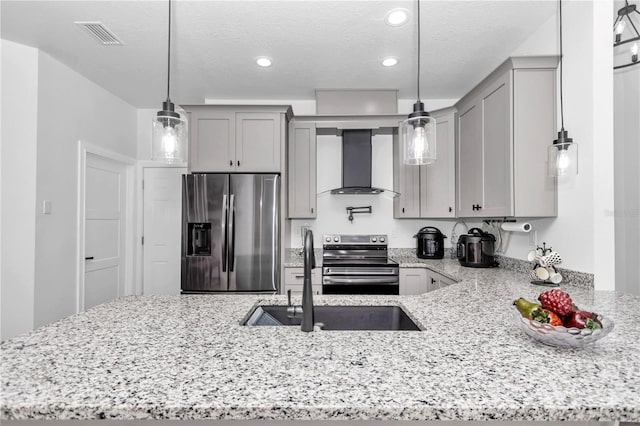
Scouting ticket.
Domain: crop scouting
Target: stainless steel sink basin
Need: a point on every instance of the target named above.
(337, 317)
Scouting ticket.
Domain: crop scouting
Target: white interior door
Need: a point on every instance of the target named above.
(162, 205)
(105, 209)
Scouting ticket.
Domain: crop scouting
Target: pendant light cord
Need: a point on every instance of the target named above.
(561, 60)
(169, 54)
(418, 79)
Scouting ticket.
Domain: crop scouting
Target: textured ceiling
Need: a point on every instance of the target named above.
(315, 44)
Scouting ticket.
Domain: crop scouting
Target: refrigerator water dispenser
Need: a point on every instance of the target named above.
(199, 239)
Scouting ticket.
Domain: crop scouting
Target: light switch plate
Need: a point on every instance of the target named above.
(47, 206)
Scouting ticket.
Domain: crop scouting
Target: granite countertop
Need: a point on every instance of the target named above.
(188, 357)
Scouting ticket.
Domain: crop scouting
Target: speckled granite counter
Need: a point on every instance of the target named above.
(188, 357)
(293, 258)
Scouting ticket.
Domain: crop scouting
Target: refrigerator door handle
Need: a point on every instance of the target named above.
(232, 233)
(225, 211)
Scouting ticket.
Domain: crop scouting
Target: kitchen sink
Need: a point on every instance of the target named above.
(329, 317)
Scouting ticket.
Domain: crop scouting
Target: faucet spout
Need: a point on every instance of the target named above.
(307, 289)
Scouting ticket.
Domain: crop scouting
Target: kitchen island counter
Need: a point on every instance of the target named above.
(188, 357)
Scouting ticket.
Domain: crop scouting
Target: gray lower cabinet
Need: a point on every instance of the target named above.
(421, 280)
(504, 127)
(413, 281)
(294, 281)
(301, 172)
(428, 191)
(229, 139)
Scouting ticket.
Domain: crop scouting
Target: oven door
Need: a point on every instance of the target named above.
(360, 280)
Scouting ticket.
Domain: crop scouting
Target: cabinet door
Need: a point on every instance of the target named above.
(436, 281)
(406, 181)
(438, 180)
(413, 281)
(302, 170)
(497, 149)
(469, 159)
(433, 281)
(534, 125)
(258, 142)
(212, 141)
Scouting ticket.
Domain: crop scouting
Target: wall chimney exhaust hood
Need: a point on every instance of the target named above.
(356, 165)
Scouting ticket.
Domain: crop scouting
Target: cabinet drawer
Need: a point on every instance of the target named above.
(295, 276)
(296, 289)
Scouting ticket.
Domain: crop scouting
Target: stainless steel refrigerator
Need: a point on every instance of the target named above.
(230, 233)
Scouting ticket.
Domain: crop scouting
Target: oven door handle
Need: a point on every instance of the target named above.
(360, 271)
(333, 280)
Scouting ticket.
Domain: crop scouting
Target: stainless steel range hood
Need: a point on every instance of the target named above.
(356, 164)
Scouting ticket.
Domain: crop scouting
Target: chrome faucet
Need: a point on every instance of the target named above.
(306, 311)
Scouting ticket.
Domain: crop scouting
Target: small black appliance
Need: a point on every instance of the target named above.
(430, 243)
(476, 249)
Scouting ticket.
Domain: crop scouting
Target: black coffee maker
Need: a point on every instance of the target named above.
(476, 249)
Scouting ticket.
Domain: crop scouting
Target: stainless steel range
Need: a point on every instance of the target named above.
(358, 264)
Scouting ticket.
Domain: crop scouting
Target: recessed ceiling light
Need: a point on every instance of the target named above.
(389, 62)
(397, 17)
(263, 61)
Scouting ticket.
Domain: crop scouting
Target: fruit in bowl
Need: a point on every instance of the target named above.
(557, 321)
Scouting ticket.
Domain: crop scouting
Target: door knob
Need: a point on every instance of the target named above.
(88, 258)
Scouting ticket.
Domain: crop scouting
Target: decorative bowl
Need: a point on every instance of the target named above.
(562, 336)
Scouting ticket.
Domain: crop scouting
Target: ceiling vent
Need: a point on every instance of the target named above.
(101, 33)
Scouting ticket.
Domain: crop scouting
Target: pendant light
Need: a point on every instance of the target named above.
(418, 131)
(169, 136)
(563, 153)
(624, 20)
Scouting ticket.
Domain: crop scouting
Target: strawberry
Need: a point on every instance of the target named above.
(545, 316)
(557, 301)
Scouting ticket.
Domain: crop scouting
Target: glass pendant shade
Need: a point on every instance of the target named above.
(170, 135)
(562, 156)
(418, 134)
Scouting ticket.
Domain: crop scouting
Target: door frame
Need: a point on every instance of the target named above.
(85, 149)
(140, 166)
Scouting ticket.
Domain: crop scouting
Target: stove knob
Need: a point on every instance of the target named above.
(336, 239)
(382, 239)
(328, 239)
(373, 239)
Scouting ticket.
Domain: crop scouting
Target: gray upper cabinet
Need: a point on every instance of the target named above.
(258, 142)
(504, 127)
(236, 139)
(438, 180)
(301, 171)
(427, 191)
(212, 145)
(406, 181)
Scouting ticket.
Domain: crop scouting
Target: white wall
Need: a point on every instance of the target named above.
(19, 140)
(627, 178)
(582, 204)
(70, 108)
(144, 117)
